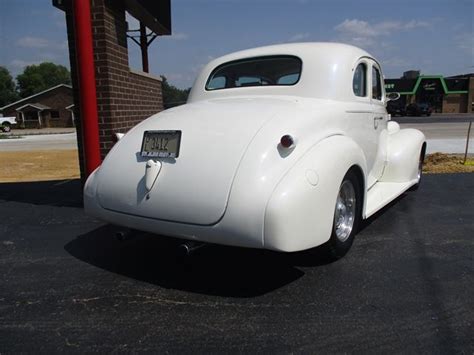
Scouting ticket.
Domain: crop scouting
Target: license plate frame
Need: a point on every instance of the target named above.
(161, 153)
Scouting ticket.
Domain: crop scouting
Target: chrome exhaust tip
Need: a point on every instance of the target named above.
(189, 248)
(124, 234)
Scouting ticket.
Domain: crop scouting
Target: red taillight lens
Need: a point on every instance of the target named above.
(287, 141)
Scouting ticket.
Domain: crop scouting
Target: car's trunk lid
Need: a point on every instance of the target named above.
(194, 188)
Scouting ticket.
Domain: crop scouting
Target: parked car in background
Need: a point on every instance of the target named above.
(396, 108)
(6, 123)
(265, 154)
(419, 109)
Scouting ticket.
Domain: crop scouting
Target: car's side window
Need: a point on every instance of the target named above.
(217, 82)
(359, 82)
(376, 84)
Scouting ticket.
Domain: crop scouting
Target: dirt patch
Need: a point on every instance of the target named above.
(39, 165)
(439, 163)
(64, 164)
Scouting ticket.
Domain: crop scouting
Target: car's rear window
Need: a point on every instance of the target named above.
(260, 71)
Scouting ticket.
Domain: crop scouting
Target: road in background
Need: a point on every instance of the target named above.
(436, 118)
(446, 135)
(40, 142)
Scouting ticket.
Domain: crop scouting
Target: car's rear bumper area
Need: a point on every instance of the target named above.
(223, 232)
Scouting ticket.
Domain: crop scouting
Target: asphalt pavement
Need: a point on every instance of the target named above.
(67, 285)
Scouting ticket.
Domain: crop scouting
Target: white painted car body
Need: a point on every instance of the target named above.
(234, 184)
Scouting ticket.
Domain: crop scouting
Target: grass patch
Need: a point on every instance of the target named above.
(439, 163)
(44, 165)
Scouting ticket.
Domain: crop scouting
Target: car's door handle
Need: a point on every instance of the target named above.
(376, 121)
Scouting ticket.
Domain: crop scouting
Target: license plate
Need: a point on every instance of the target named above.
(161, 144)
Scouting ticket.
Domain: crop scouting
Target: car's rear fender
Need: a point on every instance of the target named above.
(299, 215)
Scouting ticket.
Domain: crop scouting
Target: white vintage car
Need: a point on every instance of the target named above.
(285, 147)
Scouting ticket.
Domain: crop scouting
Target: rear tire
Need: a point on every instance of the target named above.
(346, 217)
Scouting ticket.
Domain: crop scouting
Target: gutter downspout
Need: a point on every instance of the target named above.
(87, 88)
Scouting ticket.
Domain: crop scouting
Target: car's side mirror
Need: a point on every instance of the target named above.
(392, 96)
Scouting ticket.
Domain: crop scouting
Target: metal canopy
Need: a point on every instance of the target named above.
(154, 14)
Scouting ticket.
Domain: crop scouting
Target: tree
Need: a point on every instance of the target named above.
(7, 88)
(36, 78)
(172, 96)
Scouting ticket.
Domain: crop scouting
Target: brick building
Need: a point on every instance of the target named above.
(124, 97)
(454, 94)
(48, 108)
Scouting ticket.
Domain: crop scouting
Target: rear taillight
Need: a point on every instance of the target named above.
(287, 141)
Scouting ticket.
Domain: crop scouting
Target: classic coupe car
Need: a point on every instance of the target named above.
(285, 147)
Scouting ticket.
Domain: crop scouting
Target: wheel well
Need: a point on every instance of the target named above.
(423, 151)
(6, 123)
(361, 180)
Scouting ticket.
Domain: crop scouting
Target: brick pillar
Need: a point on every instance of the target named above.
(124, 97)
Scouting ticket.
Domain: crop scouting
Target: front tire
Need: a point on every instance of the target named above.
(420, 170)
(6, 127)
(346, 217)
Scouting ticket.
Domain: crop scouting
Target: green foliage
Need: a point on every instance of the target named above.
(7, 88)
(172, 96)
(36, 78)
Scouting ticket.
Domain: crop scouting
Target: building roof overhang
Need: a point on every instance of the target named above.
(37, 106)
(35, 95)
(154, 14)
(400, 85)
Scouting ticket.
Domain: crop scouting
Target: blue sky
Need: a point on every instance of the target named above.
(434, 36)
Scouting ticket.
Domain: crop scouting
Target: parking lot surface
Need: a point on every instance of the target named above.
(66, 284)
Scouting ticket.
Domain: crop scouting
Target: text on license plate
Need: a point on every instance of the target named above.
(161, 144)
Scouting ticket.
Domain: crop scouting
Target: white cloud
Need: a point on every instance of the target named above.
(395, 62)
(356, 28)
(363, 34)
(362, 28)
(299, 37)
(40, 43)
(465, 42)
(20, 63)
(179, 36)
(33, 42)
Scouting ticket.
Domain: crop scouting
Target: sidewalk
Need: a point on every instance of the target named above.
(36, 131)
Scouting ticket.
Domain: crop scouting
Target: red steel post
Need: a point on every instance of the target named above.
(87, 89)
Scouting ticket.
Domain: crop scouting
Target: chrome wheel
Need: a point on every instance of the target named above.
(420, 168)
(345, 211)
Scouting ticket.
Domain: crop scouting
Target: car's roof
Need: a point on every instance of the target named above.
(302, 49)
(324, 63)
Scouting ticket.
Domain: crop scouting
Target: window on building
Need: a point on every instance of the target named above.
(30, 115)
(359, 82)
(54, 114)
(376, 84)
